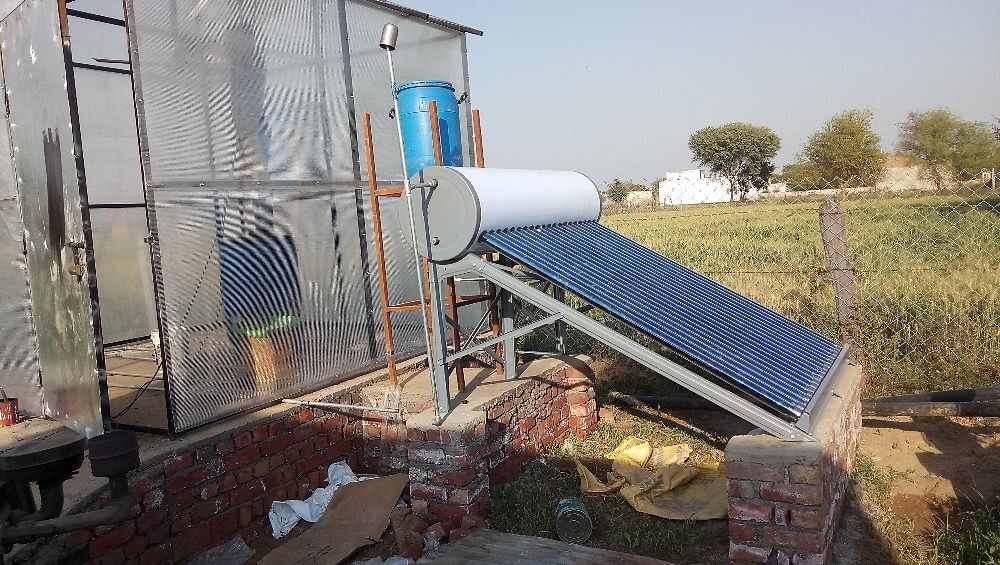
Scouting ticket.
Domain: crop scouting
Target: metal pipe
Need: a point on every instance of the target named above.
(334, 406)
(390, 44)
(135, 387)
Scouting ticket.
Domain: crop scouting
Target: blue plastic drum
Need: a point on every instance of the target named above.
(414, 109)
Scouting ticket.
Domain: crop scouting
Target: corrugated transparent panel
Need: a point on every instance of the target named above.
(424, 52)
(247, 124)
(243, 89)
(110, 143)
(98, 43)
(123, 272)
(34, 70)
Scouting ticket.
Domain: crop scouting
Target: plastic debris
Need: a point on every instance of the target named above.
(233, 552)
(653, 480)
(285, 514)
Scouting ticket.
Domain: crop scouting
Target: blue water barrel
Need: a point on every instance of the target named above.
(414, 109)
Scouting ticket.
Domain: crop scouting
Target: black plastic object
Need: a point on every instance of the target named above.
(777, 361)
(113, 453)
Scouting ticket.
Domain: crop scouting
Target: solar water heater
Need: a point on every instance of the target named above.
(738, 354)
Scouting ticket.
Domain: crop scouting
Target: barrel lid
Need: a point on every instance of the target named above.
(425, 84)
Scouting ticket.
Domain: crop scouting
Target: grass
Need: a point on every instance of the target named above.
(925, 264)
(526, 505)
(971, 537)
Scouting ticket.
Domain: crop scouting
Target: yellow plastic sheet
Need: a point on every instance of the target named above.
(653, 480)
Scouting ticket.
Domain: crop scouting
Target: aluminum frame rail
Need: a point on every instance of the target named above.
(726, 399)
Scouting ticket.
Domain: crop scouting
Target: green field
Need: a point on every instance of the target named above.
(926, 267)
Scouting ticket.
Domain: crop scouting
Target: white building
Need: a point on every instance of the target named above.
(696, 187)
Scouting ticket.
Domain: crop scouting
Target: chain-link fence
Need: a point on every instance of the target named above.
(902, 266)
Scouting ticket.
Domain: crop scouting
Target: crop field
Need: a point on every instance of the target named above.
(926, 266)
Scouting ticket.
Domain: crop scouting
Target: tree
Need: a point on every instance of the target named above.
(654, 187)
(947, 145)
(618, 189)
(845, 152)
(740, 152)
(800, 176)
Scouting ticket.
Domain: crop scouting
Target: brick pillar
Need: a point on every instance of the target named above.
(785, 497)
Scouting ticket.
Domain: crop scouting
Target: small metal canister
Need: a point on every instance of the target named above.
(573, 523)
(9, 414)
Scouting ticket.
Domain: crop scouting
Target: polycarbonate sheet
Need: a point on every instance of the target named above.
(760, 351)
(232, 262)
(424, 52)
(110, 142)
(34, 71)
(124, 275)
(242, 89)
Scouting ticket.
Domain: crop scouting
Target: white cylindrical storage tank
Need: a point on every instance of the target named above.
(469, 201)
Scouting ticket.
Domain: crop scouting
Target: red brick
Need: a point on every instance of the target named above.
(426, 491)
(276, 445)
(261, 468)
(754, 472)
(208, 490)
(134, 547)
(739, 552)
(808, 495)
(742, 532)
(243, 440)
(157, 535)
(783, 537)
(140, 486)
(449, 511)
(178, 462)
(742, 489)
(149, 520)
(224, 447)
(458, 478)
(245, 515)
(191, 541)
(242, 458)
(107, 541)
(804, 474)
(782, 516)
(79, 537)
(156, 555)
(181, 501)
(808, 519)
(180, 523)
(114, 557)
(224, 526)
(752, 511)
(227, 483)
(259, 433)
(246, 492)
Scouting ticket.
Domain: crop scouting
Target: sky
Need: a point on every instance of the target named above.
(614, 89)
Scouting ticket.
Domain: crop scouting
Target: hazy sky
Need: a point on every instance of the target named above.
(614, 89)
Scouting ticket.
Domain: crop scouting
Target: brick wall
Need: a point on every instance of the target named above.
(215, 486)
(194, 498)
(785, 497)
(453, 466)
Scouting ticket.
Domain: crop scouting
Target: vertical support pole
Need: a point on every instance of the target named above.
(559, 294)
(456, 335)
(439, 347)
(833, 232)
(383, 280)
(491, 289)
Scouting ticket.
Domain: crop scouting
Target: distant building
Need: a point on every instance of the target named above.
(638, 198)
(696, 187)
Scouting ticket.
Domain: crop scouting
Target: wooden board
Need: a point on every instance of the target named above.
(491, 546)
(357, 516)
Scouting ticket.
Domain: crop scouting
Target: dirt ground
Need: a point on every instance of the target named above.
(938, 464)
(921, 473)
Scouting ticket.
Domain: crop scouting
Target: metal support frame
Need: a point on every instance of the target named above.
(560, 312)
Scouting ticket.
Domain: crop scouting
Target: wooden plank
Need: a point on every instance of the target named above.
(356, 517)
(491, 546)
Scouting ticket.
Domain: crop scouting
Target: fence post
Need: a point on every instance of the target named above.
(833, 232)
